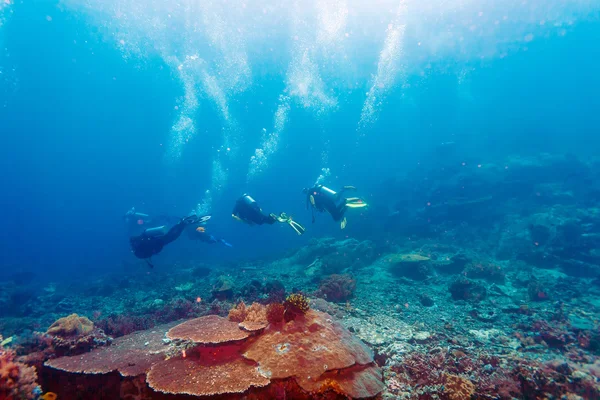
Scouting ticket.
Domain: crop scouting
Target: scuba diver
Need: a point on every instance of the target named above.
(152, 240)
(136, 222)
(247, 210)
(198, 232)
(322, 199)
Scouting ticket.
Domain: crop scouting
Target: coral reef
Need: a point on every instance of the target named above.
(337, 287)
(17, 380)
(309, 357)
(491, 289)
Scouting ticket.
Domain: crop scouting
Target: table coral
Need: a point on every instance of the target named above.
(130, 355)
(306, 348)
(309, 357)
(210, 329)
(206, 372)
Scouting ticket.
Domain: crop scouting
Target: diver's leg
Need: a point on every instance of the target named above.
(173, 233)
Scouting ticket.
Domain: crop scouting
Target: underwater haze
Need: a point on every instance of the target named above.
(171, 106)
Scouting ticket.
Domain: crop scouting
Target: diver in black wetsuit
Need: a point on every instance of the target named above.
(323, 199)
(247, 210)
(152, 240)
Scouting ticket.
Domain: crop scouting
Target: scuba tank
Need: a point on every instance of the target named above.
(156, 231)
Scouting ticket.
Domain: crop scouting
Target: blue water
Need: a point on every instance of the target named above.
(86, 127)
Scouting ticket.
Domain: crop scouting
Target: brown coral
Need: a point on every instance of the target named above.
(238, 313)
(306, 348)
(130, 355)
(206, 372)
(70, 326)
(210, 329)
(312, 354)
(357, 382)
(275, 313)
(253, 318)
(458, 388)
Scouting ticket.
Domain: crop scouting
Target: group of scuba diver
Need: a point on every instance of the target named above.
(153, 235)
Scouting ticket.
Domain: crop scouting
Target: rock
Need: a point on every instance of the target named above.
(465, 289)
(421, 337)
(579, 323)
(426, 300)
(412, 266)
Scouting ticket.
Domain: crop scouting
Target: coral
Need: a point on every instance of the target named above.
(70, 346)
(212, 370)
(130, 355)
(552, 335)
(412, 266)
(537, 290)
(442, 374)
(275, 313)
(275, 291)
(253, 318)
(252, 290)
(238, 313)
(426, 300)
(307, 347)
(465, 289)
(337, 288)
(17, 380)
(335, 256)
(458, 388)
(356, 382)
(223, 288)
(485, 270)
(295, 304)
(120, 325)
(256, 313)
(210, 329)
(309, 357)
(72, 325)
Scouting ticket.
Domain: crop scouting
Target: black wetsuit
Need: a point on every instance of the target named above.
(147, 245)
(248, 210)
(326, 199)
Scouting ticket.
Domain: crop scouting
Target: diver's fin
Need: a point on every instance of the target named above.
(296, 226)
(355, 202)
(225, 243)
(343, 223)
(194, 219)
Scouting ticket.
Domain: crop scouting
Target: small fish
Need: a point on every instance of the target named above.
(49, 396)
